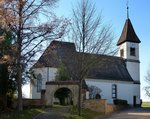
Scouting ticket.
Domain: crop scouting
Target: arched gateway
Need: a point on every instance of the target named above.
(53, 86)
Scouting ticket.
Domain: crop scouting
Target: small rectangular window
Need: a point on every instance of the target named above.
(114, 91)
(132, 51)
(122, 53)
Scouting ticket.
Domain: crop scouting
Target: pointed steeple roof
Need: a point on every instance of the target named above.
(128, 34)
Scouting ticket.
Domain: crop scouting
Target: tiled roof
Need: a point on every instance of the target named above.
(110, 68)
(63, 82)
(107, 68)
(128, 34)
(51, 56)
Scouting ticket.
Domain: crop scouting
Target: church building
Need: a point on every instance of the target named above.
(117, 78)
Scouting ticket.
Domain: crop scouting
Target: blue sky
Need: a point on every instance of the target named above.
(114, 13)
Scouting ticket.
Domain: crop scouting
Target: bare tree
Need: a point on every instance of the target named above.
(90, 36)
(32, 23)
(147, 88)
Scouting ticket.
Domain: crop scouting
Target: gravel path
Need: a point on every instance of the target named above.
(63, 113)
(134, 113)
(54, 113)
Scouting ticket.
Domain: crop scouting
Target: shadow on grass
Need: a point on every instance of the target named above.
(25, 114)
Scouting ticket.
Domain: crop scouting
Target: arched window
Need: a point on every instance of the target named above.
(39, 83)
(93, 91)
(98, 96)
(114, 91)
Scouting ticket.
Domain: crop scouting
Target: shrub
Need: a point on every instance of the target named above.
(120, 102)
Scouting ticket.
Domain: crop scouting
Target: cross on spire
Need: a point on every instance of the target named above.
(127, 9)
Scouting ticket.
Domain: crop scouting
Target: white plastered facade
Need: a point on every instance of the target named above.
(132, 63)
(48, 74)
(125, 90)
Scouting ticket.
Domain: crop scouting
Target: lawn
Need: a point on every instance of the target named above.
(25, 114)
(85, 114)
(30, 113)
(146, 104)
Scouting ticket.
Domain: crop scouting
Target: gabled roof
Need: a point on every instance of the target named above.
(128, 34)
(51, 56)
(109, 67)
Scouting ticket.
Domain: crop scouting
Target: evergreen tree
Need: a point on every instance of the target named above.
(7, 84)
(62, 73)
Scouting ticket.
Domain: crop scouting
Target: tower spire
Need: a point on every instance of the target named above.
(127, 9)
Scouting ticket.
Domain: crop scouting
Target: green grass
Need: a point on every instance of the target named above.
(146, 104)
(89, 114)
(25, 114)
(76, 117)
(30, 113)
(85, 114)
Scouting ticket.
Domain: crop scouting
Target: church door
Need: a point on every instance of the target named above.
(134, 101)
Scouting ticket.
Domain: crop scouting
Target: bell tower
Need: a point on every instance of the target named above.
(128, 44)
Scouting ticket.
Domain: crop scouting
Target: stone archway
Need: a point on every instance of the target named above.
(53, 86)
(63, 96)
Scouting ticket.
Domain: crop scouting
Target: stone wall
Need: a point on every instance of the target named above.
(100, 105)
(111, 108)
(33, 102)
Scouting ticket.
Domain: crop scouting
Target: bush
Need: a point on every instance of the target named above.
(120, 102)
(76, 117)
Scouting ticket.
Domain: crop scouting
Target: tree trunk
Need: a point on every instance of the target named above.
(5, 101)
(19, 67)
(4, 85)
(79, 98)
(20, 107)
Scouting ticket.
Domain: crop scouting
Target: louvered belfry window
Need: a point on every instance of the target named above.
(132, 51)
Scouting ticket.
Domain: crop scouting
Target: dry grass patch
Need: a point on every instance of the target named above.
(146, 104)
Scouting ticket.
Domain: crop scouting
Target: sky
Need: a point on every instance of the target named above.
(114, 13)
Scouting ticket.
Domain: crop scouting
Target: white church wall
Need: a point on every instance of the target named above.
(35, 94)
(51, 73)
(137, 93)
(134, 70)
(132, 66)
(126, 49)
(125, 92)
(124, 89)
(48, 74)
(104, 86)
(132, 45)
